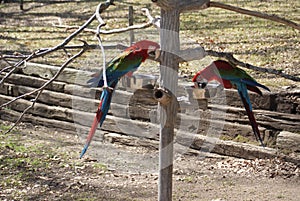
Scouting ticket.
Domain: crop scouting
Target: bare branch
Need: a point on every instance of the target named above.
(101, 7)
(155, 21)
(14, 67)
(152, 21)
(112, 31)
(90, 46)
(40, 90)
(233, 60)
(256, 14)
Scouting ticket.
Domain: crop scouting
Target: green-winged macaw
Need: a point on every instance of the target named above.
(232, 77)
(127, 62)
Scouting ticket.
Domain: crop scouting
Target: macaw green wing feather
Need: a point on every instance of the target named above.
(116, 68)
(234, 73)
(239, 75)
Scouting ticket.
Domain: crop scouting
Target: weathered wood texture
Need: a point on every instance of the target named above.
(288, 141)
(170, 44)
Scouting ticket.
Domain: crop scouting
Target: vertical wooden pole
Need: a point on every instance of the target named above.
(130, 23)
(169, 40)
(21, 5)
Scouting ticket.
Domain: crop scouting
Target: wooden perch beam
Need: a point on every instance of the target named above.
(182, 6)
(191, 54)
(162, 96)
(255, 14)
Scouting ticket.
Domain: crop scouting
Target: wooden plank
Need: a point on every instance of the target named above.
(112, 124)
(131, 141)
(69, 75)
(12, 116)
(141, 111)
(230, 97)
(272, 120)
(4, 89)
(36, 82)
(230, 148)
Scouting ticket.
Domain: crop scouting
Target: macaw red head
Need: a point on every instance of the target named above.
(211, 72)
(204, 76)
(145, 48)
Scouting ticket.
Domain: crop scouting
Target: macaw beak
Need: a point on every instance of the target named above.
(154, 54)
(157, 54)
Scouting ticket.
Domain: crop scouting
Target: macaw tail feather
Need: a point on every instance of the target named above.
(101, 113)
(254, 89)
(254, 83)
(252, 120)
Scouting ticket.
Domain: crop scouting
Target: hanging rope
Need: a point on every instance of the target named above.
(101, 23)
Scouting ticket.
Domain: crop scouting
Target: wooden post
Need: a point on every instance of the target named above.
(130, 23)
(169, 63)
(169, 40)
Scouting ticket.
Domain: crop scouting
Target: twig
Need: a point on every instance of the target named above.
(40, 90)
(112, 31)
(152, 21)
(14, 67)
(233, 60)
(256, 14)
(155, 21)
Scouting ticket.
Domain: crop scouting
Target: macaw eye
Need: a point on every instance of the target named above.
(202, 85)
(201, 82)
(151, 53)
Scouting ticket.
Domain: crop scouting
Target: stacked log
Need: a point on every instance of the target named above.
(68, 104)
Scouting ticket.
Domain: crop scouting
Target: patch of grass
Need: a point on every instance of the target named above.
(242, 139)
(226, 137)
(4, 128)
(22, 164)
(100, 166)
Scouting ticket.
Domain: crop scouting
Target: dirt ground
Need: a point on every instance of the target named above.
(49, 168)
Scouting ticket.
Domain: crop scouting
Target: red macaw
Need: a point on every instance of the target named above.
(125, 63)
(232, 77)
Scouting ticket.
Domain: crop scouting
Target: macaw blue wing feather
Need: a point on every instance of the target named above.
(254, 83)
